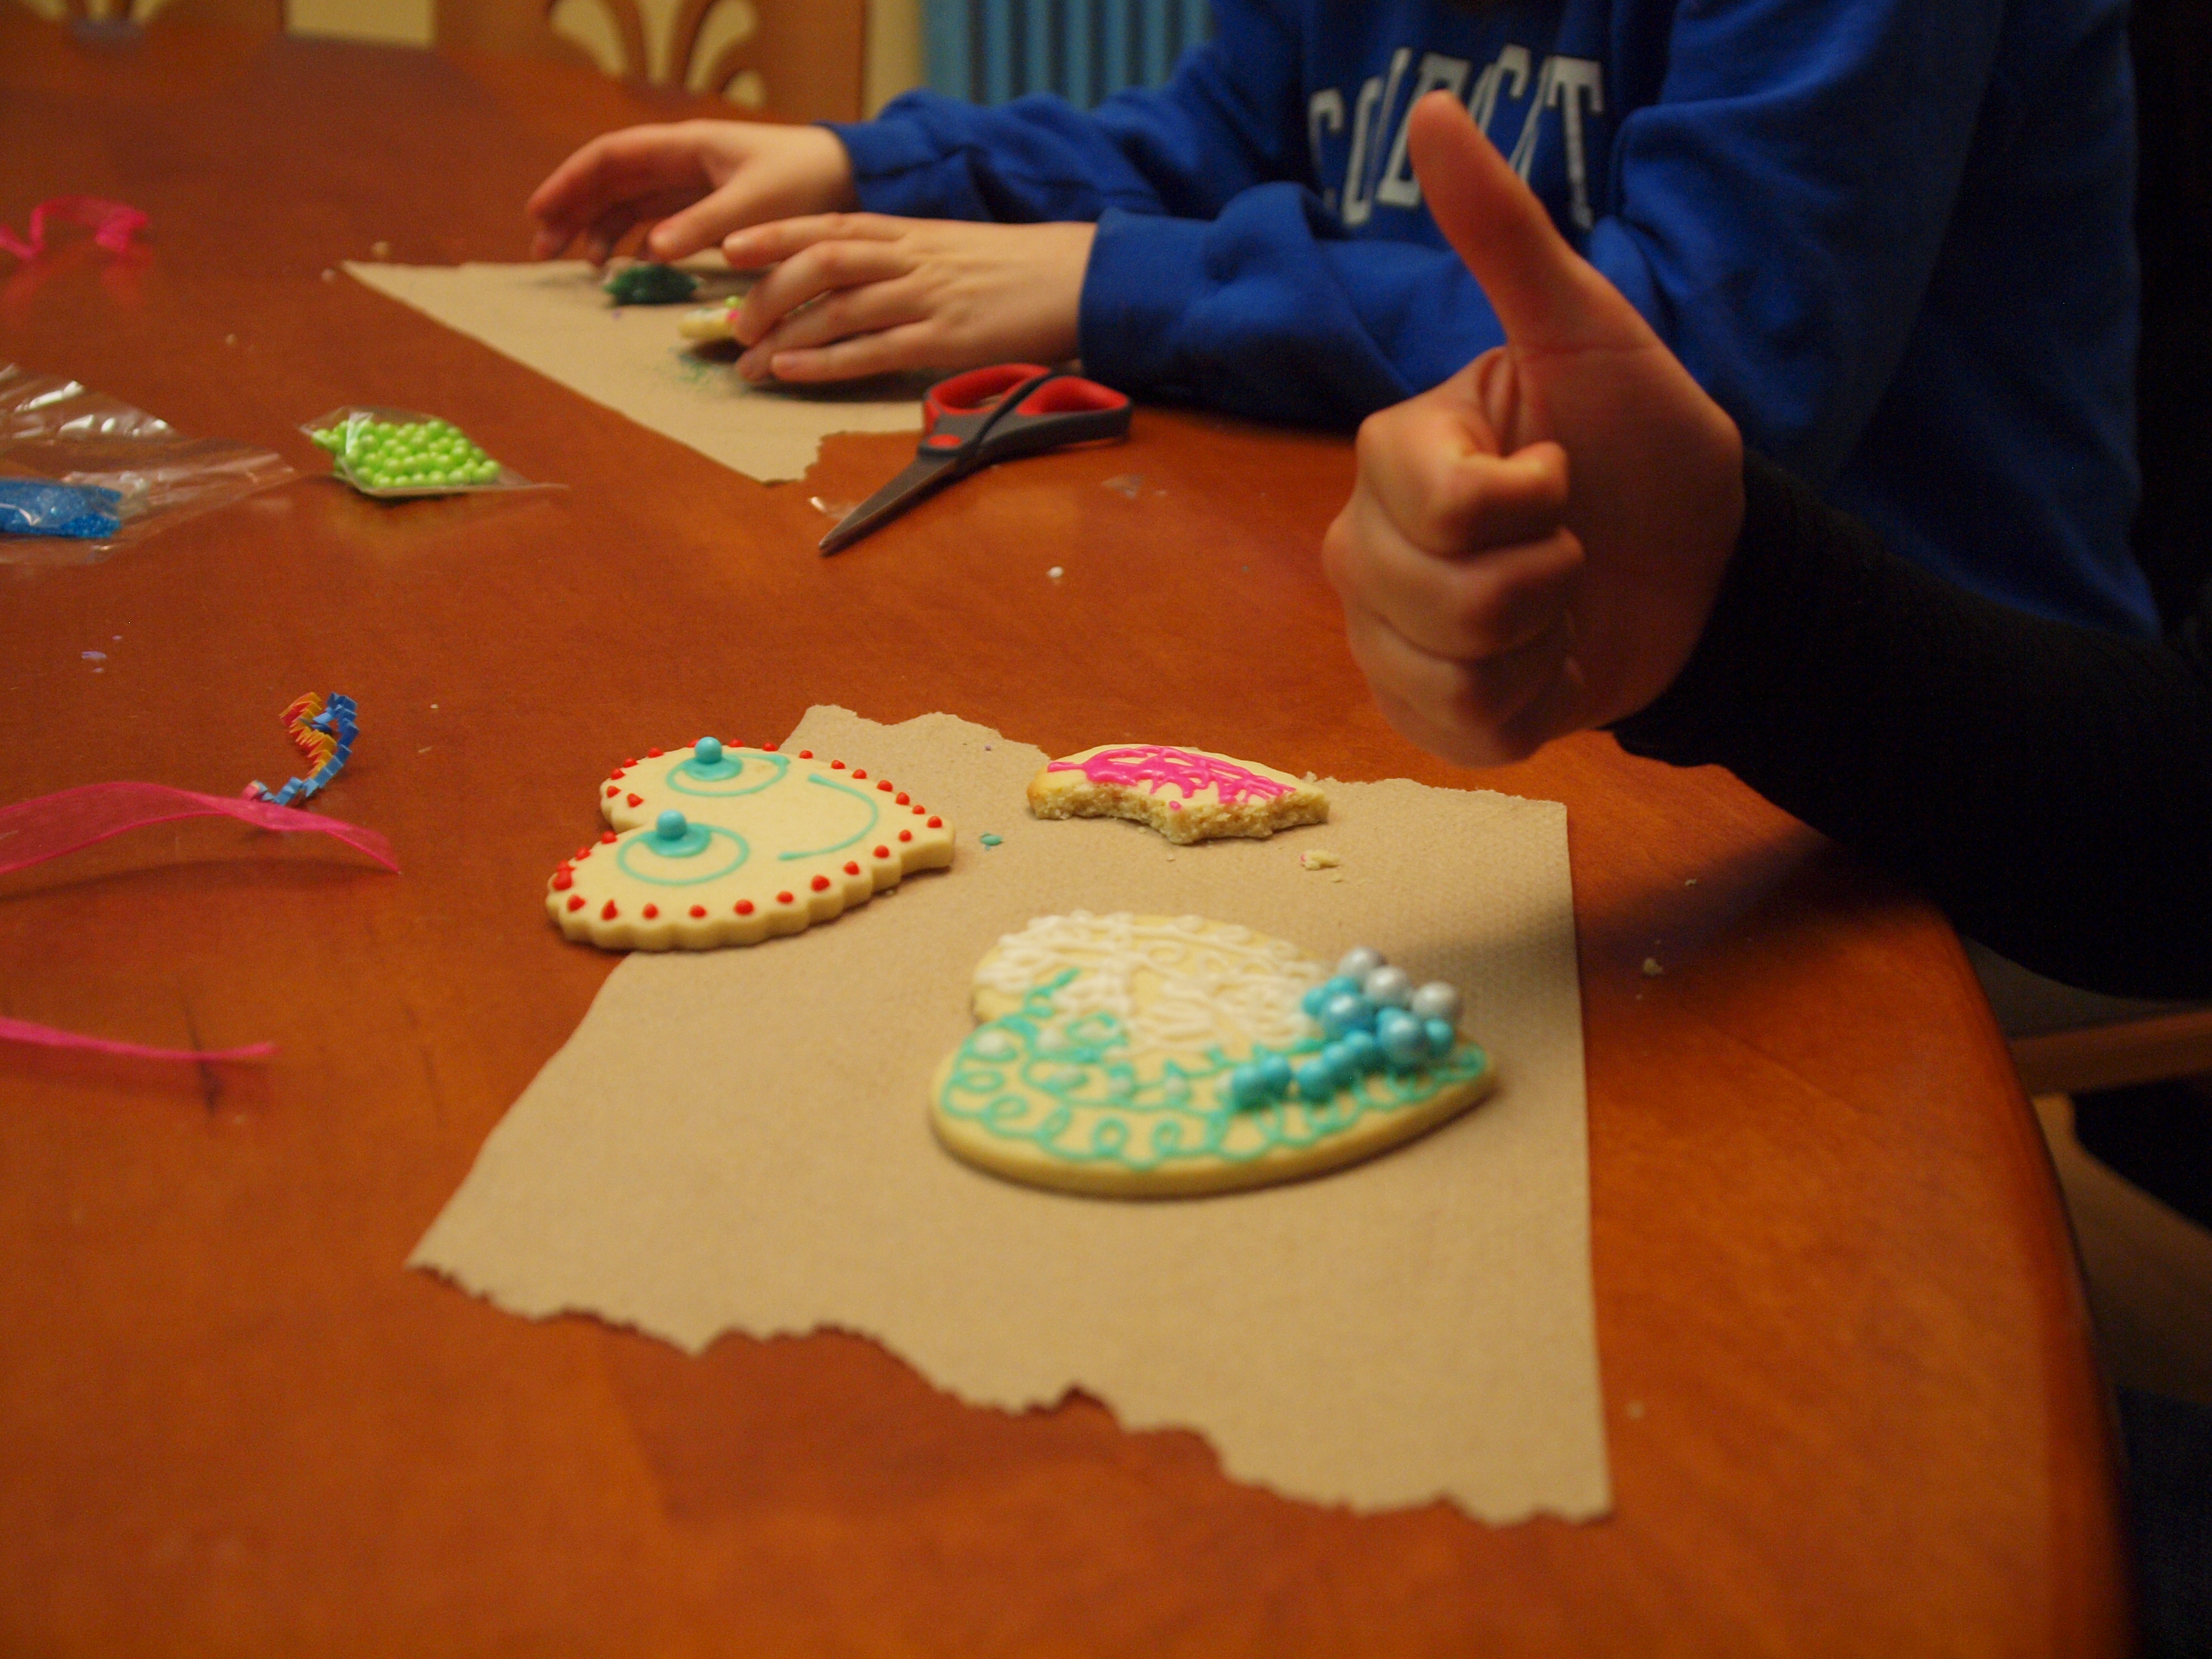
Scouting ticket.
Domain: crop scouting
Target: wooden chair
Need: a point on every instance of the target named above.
(802, 59)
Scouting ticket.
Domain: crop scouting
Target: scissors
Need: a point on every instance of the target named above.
(983, 417)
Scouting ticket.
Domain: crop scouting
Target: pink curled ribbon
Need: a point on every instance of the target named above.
(113, 224)
(34, 831)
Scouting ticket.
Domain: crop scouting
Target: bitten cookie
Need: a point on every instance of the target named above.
(718, 844)
(1137, 1056)
(1185, 794)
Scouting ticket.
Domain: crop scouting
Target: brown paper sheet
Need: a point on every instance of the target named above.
(736, 1140)
(554, 317)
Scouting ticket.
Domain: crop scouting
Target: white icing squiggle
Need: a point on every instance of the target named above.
(1206, 980)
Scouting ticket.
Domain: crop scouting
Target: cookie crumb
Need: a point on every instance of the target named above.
(1317, 859)
(1055, 573)
(1651, 968)
(380, 250)
(1691, 882)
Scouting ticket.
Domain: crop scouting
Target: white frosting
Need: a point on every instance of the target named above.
(1204, 981)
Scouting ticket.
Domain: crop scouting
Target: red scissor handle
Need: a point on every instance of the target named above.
(977, 391)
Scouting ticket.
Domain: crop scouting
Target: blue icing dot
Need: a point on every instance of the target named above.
(671, 825)
(1275, 1073)
(1362, 1051)
(1442, 1036)
(708, 751)
(989, 840)
(1316, 1080)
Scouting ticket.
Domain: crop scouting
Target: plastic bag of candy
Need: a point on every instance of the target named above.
(397, 454)
(82, 474)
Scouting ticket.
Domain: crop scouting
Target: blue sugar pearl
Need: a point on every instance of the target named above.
(1402, 1039)
(1338, 1058)
(1275, 1074)
(708, 751)
(1316, 1080)
(1442, 1036)
(1340, 1014)
(1343, 985)
(671, 826)
(1312, 1000)
(1362, 1051)
(1247, 1089)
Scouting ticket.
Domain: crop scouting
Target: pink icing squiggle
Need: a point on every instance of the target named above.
(21, 1030)
(1151, 762)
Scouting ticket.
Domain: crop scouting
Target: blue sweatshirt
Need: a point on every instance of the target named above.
(1892, 237)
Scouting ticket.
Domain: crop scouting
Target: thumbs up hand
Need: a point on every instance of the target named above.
(1532, 548)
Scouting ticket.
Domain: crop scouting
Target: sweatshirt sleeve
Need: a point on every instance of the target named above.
(1778, 234)
(1227, 119)
(2050, 786)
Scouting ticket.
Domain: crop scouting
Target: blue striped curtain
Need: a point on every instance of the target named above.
(989, 51)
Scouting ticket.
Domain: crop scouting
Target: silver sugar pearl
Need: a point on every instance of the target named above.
(1360, 962)
(1388, 987)
(1438, 1000)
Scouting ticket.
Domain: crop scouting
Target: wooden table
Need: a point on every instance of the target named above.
(1847, 1389)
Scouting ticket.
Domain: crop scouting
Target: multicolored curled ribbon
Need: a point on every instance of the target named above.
(323, 730)
(113, 224)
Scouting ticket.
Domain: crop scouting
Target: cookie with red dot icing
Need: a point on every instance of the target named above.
(719, 844)
(1186, 794)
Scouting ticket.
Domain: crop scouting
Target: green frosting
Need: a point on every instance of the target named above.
(1098, 1107)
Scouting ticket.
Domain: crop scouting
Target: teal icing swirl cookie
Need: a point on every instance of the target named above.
(1155, 1056)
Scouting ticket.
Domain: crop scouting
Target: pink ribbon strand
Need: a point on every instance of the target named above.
(33, 831)
(45, 1037)
(113, 224)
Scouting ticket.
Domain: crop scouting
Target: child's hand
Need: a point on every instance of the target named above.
(700, 180)
(856, 294)
(1493, 601)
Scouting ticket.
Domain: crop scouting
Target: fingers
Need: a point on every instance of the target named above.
(1488, 713)
(1466, 610)
(869, 310)
(1431, 465)
(758, 246)
(611, 170)
(811, 269)
(910, 345)
(711, 219)
(1544, 293)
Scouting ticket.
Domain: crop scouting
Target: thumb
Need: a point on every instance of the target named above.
(1547, 295)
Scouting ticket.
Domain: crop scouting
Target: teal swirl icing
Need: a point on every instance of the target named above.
(1067, 1086)
(687, 777)
(706, 871)
(859, 795)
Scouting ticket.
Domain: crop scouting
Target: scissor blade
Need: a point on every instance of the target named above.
(924, 474)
